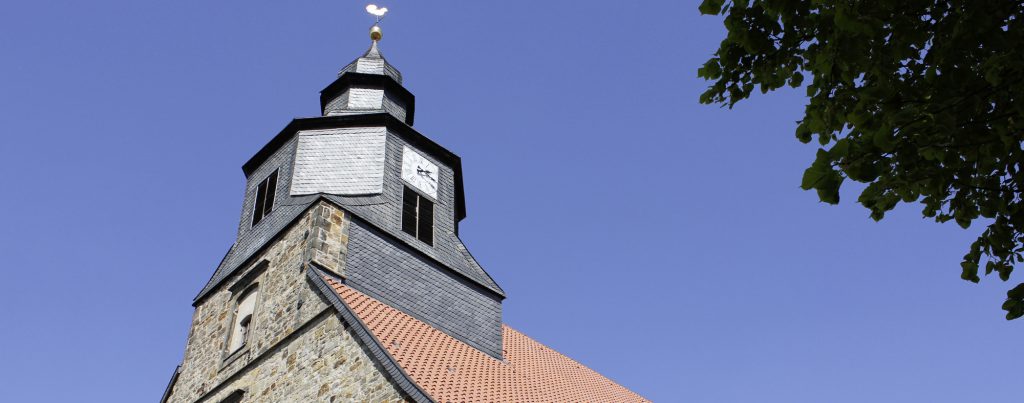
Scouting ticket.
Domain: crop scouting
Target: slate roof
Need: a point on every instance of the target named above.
(372, 62)
(443, 369)
(361, 207)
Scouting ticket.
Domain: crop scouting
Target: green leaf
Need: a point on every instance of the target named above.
(711, 70)
(711, 7)
(796, 80)
(828, 188)
(1017, 292)
(803, 133)
(819, 169)
(884, 140)
(969, 271)
(1014, 305)
(840, 150)
(811, 177)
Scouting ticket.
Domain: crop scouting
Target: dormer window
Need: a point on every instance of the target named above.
(418, 216)
(265, 193)
(241, 331)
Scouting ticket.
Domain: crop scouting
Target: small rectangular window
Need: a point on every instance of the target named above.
(418, 216)
(265, 193)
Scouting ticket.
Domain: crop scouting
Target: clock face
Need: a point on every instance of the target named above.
(419, 172)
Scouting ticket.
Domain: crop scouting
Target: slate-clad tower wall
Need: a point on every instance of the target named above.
(440, 284)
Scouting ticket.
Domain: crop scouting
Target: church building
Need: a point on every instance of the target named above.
(348, 281)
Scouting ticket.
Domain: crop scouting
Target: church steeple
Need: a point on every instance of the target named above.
(400, 195)
(373, 62)
(368, 84)
(348, 250)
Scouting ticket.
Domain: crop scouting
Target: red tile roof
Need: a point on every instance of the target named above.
(450, 370)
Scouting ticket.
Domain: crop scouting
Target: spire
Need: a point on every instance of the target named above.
(373, 62)
(373, 52)
(369, 84)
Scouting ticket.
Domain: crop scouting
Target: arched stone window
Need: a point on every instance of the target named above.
(242, 326)
(234, 397)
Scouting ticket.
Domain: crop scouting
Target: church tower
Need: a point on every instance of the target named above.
(348, 280)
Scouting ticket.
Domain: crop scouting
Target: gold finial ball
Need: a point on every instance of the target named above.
(376, 33)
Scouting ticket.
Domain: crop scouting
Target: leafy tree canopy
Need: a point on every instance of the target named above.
(919, 99)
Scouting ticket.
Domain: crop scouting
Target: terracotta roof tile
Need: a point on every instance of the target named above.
(452, 371)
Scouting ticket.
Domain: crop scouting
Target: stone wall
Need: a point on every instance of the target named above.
(323, 363)
(296, 341)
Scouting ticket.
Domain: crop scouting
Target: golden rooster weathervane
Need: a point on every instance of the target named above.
(375, 32)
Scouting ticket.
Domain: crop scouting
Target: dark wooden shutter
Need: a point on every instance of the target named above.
(261, 198)
(409, 202)
(425, 230)
(271, 191)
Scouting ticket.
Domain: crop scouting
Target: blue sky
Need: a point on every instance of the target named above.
(664, 243)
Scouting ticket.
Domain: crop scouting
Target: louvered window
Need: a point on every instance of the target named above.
(265, 193)
(418, 216)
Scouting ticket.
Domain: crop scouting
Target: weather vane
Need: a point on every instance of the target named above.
(375, 32)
